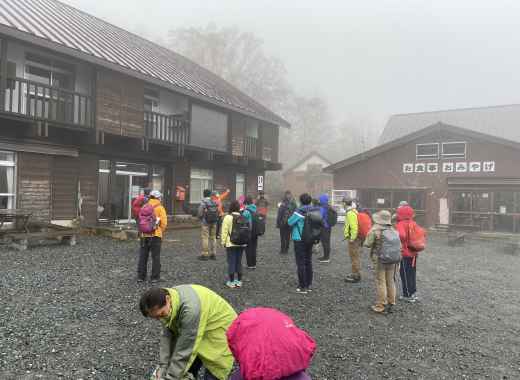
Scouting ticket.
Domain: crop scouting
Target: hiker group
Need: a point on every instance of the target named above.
(394, 242)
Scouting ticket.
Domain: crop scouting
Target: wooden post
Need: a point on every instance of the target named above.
(3, 73)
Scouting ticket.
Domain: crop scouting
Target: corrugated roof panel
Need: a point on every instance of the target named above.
(74, 29)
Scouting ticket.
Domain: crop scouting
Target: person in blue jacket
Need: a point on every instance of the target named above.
(302, 251)
(252, 246)
(326, 229)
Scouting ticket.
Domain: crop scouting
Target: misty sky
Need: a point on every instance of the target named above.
(367, 58)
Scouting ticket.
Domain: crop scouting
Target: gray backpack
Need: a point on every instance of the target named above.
(390, 247)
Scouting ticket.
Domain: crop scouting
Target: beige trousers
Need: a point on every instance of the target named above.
(385, 285)
(209, 239)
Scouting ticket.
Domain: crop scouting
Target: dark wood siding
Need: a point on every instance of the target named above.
(119, 104)
(65, 173)
(34, 184)
(88, 179)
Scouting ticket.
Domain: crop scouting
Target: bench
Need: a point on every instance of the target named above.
(15, 216)
(22, 240)
(457, 233)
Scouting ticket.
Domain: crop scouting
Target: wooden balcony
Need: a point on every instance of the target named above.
(39, 102)
(166, 129)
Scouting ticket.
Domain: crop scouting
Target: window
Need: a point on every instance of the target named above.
(200, 180)
(427, 151)
(7, 180)
(240, 185)
(158, 178)
(454, 150)
(49, 71)
(151, 100)
(209, 128)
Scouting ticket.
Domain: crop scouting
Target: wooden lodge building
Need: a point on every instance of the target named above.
(90, 114)
(457, 168)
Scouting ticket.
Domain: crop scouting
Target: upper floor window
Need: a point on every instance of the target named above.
(427, 151)
(49, 71)
(151, 100)
(454, 150)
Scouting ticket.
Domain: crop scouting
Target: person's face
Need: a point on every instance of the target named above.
(161, 312)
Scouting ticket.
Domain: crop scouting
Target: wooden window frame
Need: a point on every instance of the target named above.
(427, 157)
(451, 156)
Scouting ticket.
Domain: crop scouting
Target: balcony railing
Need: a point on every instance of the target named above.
(41, 102)
(170, 129)
(250, 147)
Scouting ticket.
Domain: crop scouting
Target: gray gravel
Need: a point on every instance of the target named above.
(71, 312)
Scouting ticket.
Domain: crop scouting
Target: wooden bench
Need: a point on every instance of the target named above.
(457, 233)
(21, 240)
(15, 216)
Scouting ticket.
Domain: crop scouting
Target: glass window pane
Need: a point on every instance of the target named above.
(454, 149)
(158, 178)
(428, 150)
(417, 200)
(6, 180)
(195, 190)
(39, 75)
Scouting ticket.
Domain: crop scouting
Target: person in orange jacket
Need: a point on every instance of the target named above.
(218, 199)
(151, 242)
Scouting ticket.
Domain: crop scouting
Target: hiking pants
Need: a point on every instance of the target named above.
(234, 261)
(153, 245)
(251, 251)
(197, 366)
(385, 285)
(219, 226)
(209, 239)
(325, 242)
(303, 255)
(285, 239)
(353, 250)
(408, 276)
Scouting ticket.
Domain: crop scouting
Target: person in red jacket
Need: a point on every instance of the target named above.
(404, 216)
(138, 203)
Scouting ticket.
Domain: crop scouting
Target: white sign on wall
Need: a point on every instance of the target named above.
(420, 168)
(488, 166)
(475, 167)
(448, 167)
(432, 167)
(461, 167)
(260, 183)
(407, 168)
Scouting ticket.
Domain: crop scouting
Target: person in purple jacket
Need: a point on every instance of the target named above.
(326, 229)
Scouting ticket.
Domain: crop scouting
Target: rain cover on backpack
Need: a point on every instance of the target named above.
(390, 247)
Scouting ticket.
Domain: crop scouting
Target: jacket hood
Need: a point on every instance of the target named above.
(324, 199)
(154, 202)
(251, 208)
(405, 213)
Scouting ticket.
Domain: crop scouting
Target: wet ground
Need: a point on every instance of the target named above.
(71, 312)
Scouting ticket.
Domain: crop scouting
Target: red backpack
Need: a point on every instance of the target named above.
(364, 224)
(416, 237)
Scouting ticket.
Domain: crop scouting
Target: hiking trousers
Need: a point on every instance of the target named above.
(234, 261)
(285, 239)
(303, 256)
(209, 239)
(408, 276)
(325, 242)
(197, 366)
(251, 250)
(354, 252)
(385, 285)
(149, 245)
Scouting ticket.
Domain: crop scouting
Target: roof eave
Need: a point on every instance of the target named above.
(41, 42)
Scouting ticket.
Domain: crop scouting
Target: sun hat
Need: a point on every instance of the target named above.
(382, 217)
(156, 194)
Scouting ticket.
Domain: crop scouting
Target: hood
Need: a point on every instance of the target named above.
(324, 199)
(251, 208)
(154, 202)
(404, 213)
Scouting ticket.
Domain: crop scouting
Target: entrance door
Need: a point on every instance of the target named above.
(131, 179)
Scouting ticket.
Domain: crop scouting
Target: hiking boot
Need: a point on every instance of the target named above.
(231, 284)
(352, 279)
(377, 310)
(238, 284)
(252, 268)
(213, 257)
(409, 299)
(323, 260)
(301, 290)
(203, 258)
(309, 290)
(414, 296)
(389, 309)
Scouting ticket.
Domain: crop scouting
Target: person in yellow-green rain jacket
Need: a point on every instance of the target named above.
(351, 235)
(195, 321)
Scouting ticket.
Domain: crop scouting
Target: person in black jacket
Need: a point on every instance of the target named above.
(285, 210)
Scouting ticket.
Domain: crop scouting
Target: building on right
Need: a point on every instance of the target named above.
(458, 168)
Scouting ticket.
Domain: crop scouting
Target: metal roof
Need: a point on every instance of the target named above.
(498, 121)
(55, 25)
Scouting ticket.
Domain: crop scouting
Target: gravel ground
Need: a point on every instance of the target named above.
(71, 312)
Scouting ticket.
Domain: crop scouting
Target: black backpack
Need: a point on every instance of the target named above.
(240, 231)
(312, 226)
(258, 224)
(332, 216)
(210, 212)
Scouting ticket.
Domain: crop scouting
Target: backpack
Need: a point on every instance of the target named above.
(211, 212)
(312, 225)
(416, 237)
(147, 219)
(240, 231)
(364, 224)
(332, 216)
(389, 251)
(287, 213)
(258, 225)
